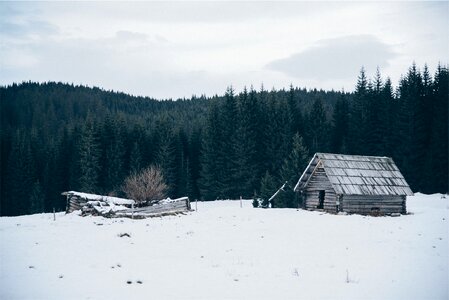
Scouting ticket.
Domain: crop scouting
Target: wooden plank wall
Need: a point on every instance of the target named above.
(158, 209)
(75, 203)
(317, 183)
(365, 204)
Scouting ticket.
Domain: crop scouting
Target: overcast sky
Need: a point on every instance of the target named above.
(177, 49)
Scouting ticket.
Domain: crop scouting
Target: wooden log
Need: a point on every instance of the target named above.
(174, 207)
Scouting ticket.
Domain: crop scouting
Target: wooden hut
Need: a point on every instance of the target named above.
(91, 204)
(353, 184)
(78, 200)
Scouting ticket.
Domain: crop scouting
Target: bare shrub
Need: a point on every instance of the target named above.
(146, 186)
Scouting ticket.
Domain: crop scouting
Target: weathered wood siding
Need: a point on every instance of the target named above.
(75, 203)
(319, 182)
(366, 204)
(177, 206)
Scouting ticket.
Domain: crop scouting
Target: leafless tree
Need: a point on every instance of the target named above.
(146, 186)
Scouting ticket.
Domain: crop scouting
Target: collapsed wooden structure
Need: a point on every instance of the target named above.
(353, 184)
(106, 206)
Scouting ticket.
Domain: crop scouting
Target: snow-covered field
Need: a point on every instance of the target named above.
(223, 251)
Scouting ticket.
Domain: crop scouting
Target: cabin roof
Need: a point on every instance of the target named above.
(358, 175)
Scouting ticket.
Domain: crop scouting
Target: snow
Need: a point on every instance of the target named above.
(105, 209)
(108, 199)
(169, 200)
(223, 251)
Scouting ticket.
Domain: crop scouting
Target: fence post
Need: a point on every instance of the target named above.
(196, 204)
(54, 214)
(241, 202)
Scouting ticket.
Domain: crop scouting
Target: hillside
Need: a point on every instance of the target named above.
(223, 251)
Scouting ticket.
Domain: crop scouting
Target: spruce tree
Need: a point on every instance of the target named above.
(36, 199)
(296, 161)
(228, 151)
(244, 164)
(267, 188)
(292, 168)
(357, 119)
(295, 113)
(112, 161)
(339, 138)
(165, 159)
(437, 159)
(135, 160)
(373, 127)
(194, 164)
(389, 119)
(20, 176)
(89, 156)
(277, 143)
(318, 128)
(409, 155)
(212, 160)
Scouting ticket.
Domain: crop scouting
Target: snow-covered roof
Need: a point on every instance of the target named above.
(108, 199)
(358, 175)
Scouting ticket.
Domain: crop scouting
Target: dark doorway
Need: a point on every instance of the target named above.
(321, 199)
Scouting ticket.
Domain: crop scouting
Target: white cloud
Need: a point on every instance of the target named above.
(338, 58)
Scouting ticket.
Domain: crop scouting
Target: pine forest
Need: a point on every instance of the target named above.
(58, 137)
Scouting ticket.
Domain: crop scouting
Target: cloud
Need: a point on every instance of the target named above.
(17, 23)
(338, 58)
(24, 29)
(130, 35)
(198, 11)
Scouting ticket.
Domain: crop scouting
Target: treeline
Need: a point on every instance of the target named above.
(57, 137)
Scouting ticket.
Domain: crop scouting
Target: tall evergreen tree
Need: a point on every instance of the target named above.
(357, 118)
(37, 199)
(437, 154)
(409, 152)
(213, 162)
(318, 128)
(245, 170)
(389, 117)
(295, 112)
(135, 159)
(267, 188)
(113, 154)
(20, 176)
(373, 127)
(89, 155)
(340, 127)
(291, 170)
(277, 142)
(296, 162)
(227, 152)
(194, 164)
